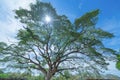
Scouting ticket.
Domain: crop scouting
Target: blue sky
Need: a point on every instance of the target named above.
(109, 17)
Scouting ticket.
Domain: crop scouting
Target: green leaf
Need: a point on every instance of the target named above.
(2, 46)
(103, 34)
(118, 65)
(109, 50)
(89, 19)
(118, 57)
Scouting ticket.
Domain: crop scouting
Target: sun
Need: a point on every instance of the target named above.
(47, 18)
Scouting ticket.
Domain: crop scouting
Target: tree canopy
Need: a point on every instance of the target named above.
(58, 45)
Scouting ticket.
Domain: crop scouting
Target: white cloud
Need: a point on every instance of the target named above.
(8, 24)
(112, 69)
(9, 29)
(15, 4)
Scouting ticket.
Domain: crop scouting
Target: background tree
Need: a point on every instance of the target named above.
(118, 60)
(56, 45)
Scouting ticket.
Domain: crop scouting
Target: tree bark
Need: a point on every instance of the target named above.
(48, 76)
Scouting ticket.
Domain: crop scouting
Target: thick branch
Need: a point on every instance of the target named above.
(40, 67)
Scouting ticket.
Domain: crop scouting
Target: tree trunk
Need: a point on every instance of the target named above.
(48, 76)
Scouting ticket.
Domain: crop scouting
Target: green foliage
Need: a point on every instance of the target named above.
(118, 65)
(4, 75)
(1, 71)
(89, 19)
(2, 46)
(118, 62)
(104, 34)
(37, 12)
(118, 57)
(81, 76)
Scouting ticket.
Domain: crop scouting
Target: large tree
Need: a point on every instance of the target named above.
(56, 45)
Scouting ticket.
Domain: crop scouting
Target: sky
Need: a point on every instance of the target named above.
(109, 17)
